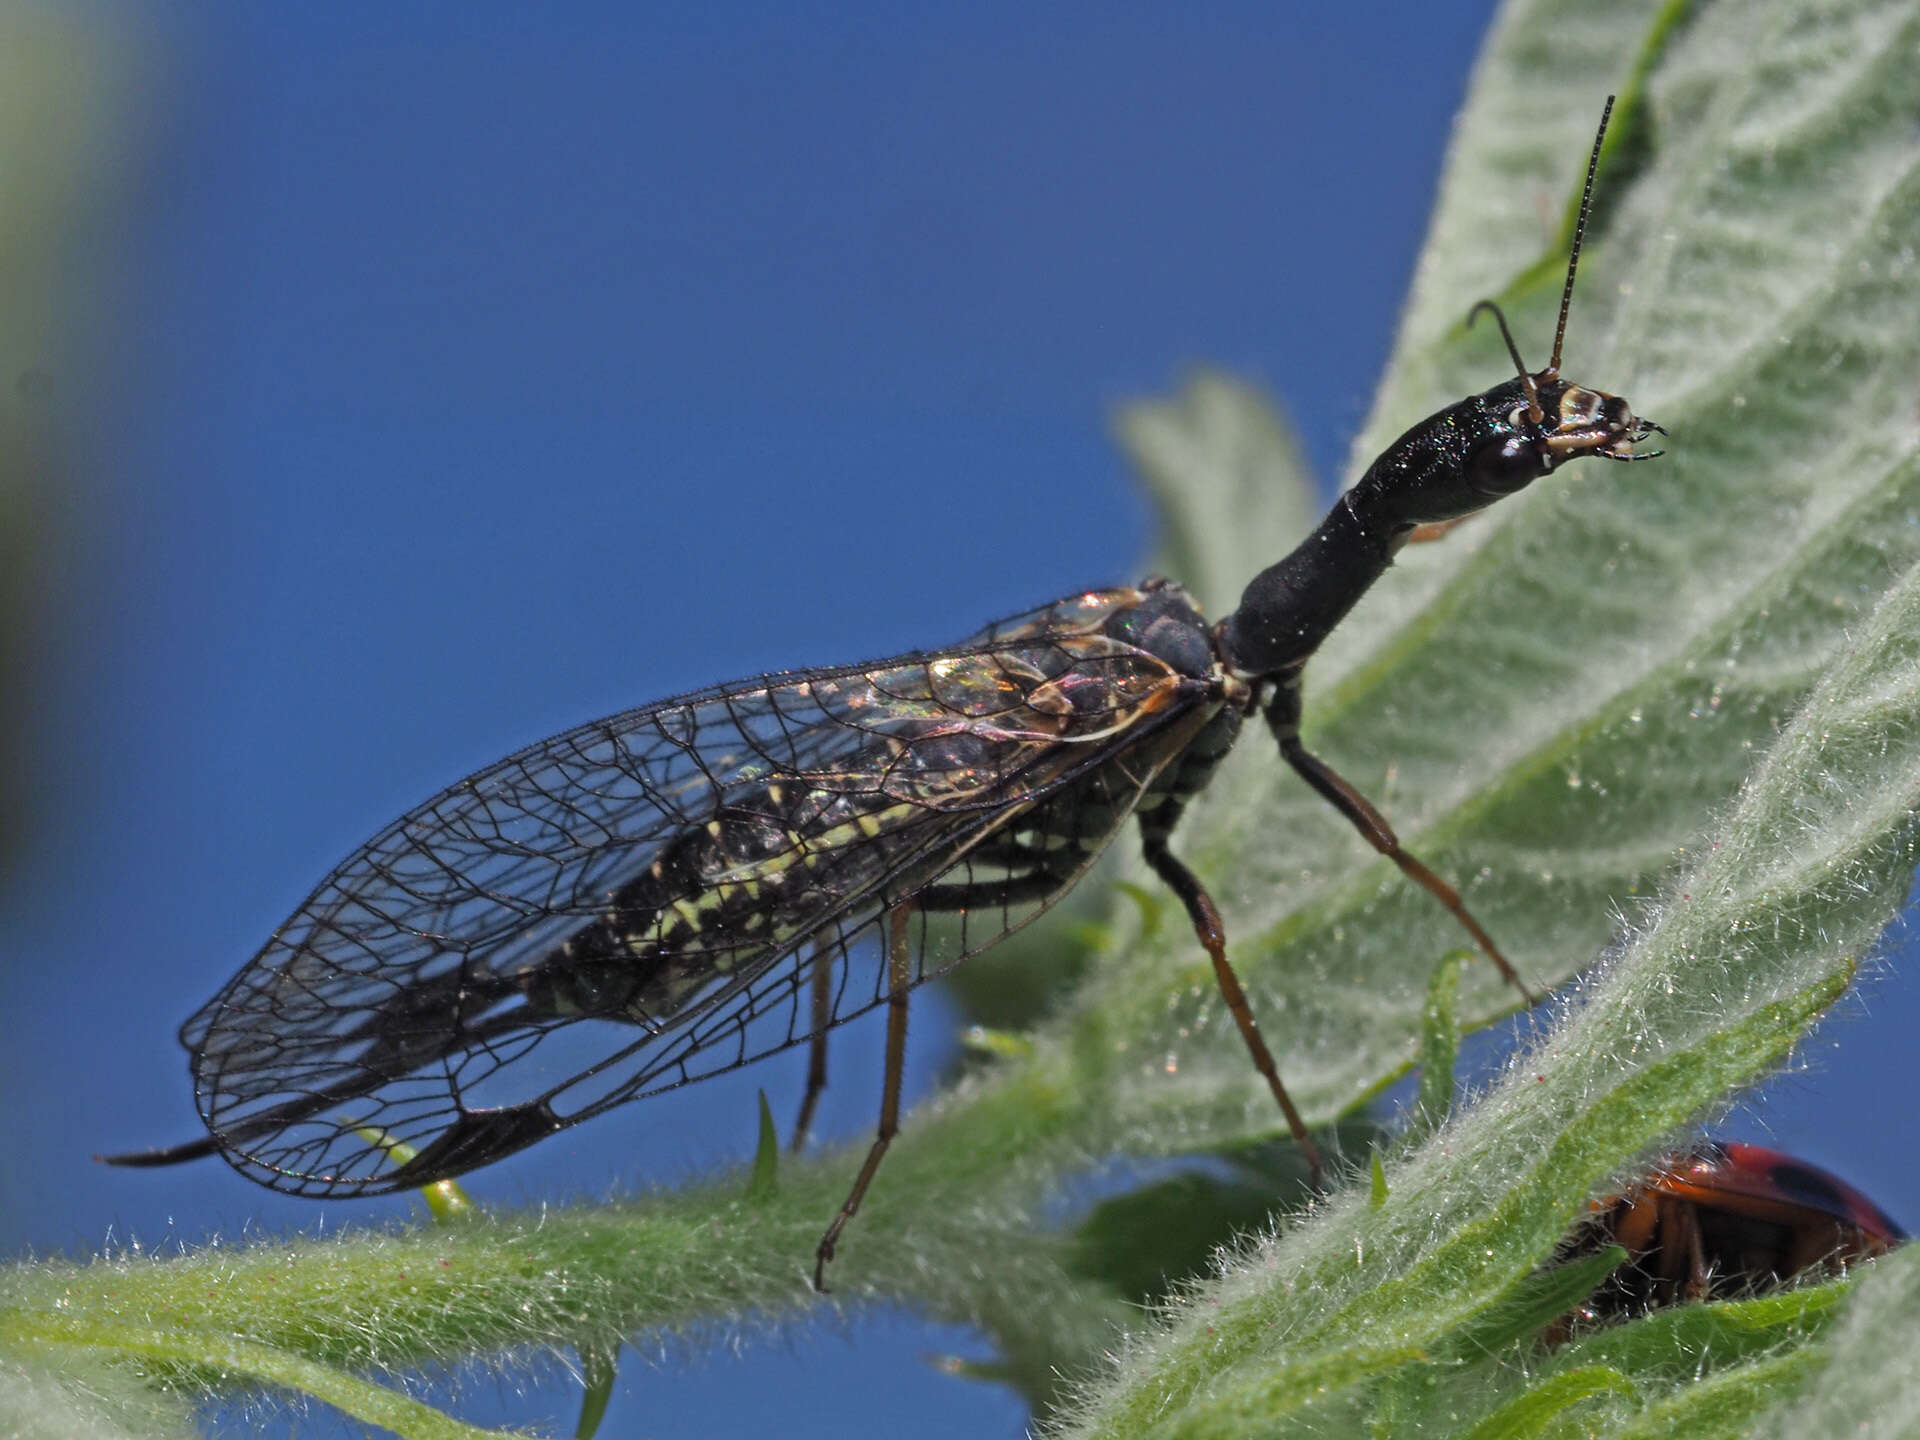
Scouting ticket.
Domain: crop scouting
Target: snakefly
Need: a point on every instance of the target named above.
(672, 892)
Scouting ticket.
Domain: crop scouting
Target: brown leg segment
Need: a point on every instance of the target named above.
(1685, 1219)
(899, 982)
(817, 1043)
(1206, 924)
(1436, 530)
(1377, 833)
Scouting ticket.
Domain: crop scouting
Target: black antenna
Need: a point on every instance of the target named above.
(1579, 235)
(1527, 381)
(1534, 412)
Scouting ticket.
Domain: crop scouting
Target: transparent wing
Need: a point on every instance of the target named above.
(617, 910)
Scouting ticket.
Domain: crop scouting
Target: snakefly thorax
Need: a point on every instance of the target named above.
(1165, 622)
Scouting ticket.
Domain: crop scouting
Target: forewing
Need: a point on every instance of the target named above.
(616, 910)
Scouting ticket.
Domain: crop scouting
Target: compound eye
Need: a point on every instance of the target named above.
(1503, 466)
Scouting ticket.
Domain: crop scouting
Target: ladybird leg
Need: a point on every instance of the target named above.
(823, 956)
(1155, 828)
(1634, 1223)
(899, 983)
(1816, 1242)
(1374, 829)
(1687, 1247)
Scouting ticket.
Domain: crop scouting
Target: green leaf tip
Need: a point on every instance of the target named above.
(1439, 1042)
(763, 1183)
(1151, 904)
(1530, 1414)
(598, 1369)
(1000, 1044)
(445, 1199)
(1547, 1295)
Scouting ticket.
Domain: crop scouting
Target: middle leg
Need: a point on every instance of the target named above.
(899, 983)
(822, 985)
(1155, 828)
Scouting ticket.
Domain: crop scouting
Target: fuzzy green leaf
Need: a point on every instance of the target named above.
(225, 1360)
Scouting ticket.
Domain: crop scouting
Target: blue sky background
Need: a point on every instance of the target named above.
(479, 372)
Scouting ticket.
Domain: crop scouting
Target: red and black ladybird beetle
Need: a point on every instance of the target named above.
(1723, 1219)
